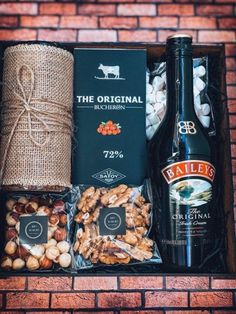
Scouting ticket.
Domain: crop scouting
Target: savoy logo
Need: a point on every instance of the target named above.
(112, 70)
(108, 176)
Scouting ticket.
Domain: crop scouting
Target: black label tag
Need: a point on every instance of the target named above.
(109, 115)
(33, 229)
(112, 221)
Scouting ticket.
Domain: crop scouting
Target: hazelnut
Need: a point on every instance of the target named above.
(65, 260)
(51, 231)
(18, 264)
(31, 207)
(22, 252)
(19, 208)
(60, 234)
(37, 251)
(17, 227)
(45, 202)
(54, 220)
(9, 204)
(10, 247)
(63, 246)
(32, 263)
(11, 234)
(23, 200)
(63, 220)
(58, 206)
(52, 253)
(51, 242)
(12, 219)
(6, 263)
(45, 263)
(44, 210)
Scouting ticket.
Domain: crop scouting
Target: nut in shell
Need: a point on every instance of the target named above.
(19, 208)
(51, 242)
(44, 210)
(54, 220)
(9, 204)
(45, 263)
(11, 234)
(32, 263)
(12, 218)
(31, 207)
(18, 264)
(22, 252)
(52, 253)
(58, 206)
(37, 251)
(64, 260)
(23, 200)
(63, 246)
(60, 234)
(10, 247)
(6, 263)
(63, 220)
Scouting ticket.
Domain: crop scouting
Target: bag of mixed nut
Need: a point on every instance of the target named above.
(113, 227)
(37, 232)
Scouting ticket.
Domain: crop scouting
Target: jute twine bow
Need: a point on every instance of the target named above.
(26, 102)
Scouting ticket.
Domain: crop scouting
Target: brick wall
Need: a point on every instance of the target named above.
(124, 295)
(124, 20)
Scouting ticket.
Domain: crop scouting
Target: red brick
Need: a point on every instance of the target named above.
(120, 300)
(118, 22)
(155, 22)
(39, 21)
(233, 135)
(166, 299)
(211, 299)
(150, 282)
(73, 300)
(231, 92)
(13, 312)
(232, 121)
(230, 49)
(62, 35)
(229, 23)
(50, 312)
(18, 8)
(198, 22)
(57, 8)
(97, 9)
(79, 22)
(91, 312)
(214, 10)
(27, 300)
(176, 9)
(138, 36)
(222, 283)
(234, 182)
(136, 9)
(142, 312)
(12, 283)
(225, 312)
(225, 1)
(18, 34)
(95, 283)
(50, 283)
(230, 63)
(231, 77)
(163, 34)
(232, 105)
(216, 36)
(186, 283)
(188, 312)
(110, 1)
(8, 21)
(97, 35)
(233, 161)
(233, 150)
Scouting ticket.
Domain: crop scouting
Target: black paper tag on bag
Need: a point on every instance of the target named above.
(112, 221)
(33, 229)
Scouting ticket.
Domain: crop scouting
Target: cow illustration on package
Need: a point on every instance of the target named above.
(112, 70)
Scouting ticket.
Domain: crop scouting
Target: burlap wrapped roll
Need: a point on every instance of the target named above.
(36, 120)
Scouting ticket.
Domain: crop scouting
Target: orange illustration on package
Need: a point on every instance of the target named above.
(109, 128)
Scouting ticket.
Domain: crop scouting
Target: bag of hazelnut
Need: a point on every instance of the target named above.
(37, 232)
(113, 227)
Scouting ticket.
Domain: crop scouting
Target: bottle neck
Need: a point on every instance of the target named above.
(180, 86)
